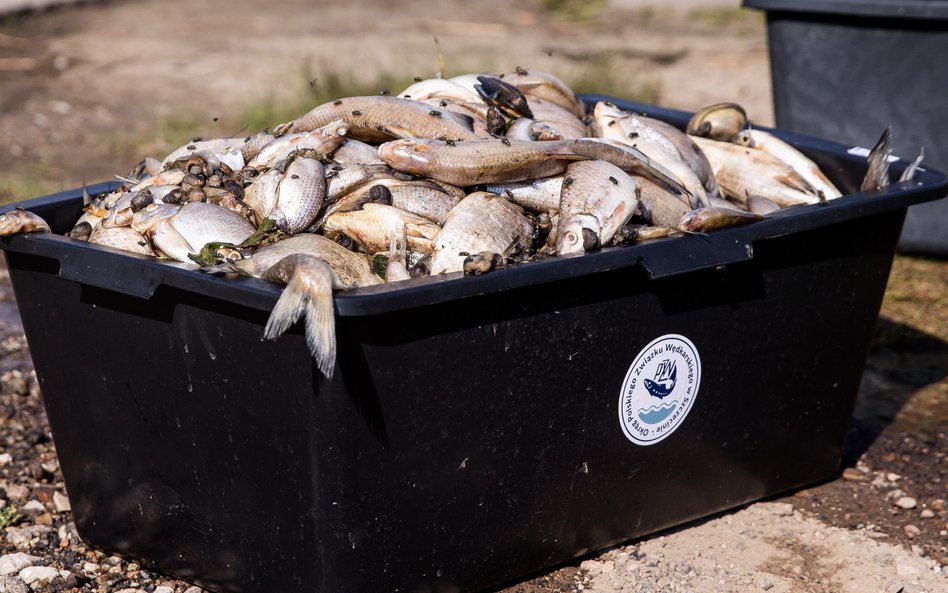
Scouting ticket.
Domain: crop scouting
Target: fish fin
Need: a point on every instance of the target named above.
(397, 132)
(309, 291)
(86, 197)
(794, 180)
(877, 174)
(128, 180)
(910, 171)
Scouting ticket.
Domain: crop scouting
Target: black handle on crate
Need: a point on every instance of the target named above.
(119, 271)
(665, 259)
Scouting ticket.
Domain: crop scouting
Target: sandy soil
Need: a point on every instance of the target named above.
(87, 91)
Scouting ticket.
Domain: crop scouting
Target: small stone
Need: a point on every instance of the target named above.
(90, 567)
(937, 505)
(132, 591)
(133, 567)
(113, 560)
(893, 477)
(32, 574)
(906, 502)
(911, 530)
(5, 459)
(43, 519)
(13, 585)
(17, 492)
(592, 567)
(894, 588)
(853, 474)
(11, 564)
(32, 508)
(927, 514)
(61, 503)
(163, 589)
(781, 509)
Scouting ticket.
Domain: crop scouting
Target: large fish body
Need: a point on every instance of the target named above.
(372, 227)
(597, 198)
(798, 161)
(481, 222)
(352, 268)
(195, 225)
(743, 172)
(621, 126)
(322, 141)
(379, 118)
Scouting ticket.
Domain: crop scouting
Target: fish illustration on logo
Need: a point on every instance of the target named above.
(664, 382)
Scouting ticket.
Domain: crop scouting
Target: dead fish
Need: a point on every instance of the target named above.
(551, 119)
(355, 152)
(800, 163)
(22, 221)
(536, 195)
(481, 222)
(352, 268)
(344, 179)
(597, 198)
(665, 208)
(309, 284)
(624, 127)
(322, 141)
(144, 221)
(372, 227)
(502, 161)
(743, 171)
(227, 149)
(688, 150)
(195, 225)
(709, 219)
(311, 266)
(545, 86)
(379, 118)
(877, 174)
(124, 238)
(299, 195)
(720, 121)
(439, 88)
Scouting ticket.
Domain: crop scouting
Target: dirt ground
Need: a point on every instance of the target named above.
(87, 91)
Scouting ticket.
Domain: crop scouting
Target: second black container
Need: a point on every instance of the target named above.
(846, 69)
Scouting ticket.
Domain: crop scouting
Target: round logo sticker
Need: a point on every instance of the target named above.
(659, 389)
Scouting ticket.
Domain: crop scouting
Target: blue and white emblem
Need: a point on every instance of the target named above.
(660, 389)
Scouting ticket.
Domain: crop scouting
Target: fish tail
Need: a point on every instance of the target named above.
(309, 283)
(910, 171)
(877, 175)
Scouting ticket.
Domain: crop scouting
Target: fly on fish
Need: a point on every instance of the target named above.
(467, 174)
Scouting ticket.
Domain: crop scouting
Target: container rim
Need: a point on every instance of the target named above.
(140, 275)
(899, 9)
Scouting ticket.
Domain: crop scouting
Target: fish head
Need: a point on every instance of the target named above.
(409, 156)
(147, 218)
(579, 233)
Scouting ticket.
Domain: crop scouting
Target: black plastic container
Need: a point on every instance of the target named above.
(845, 69)
(476, 428)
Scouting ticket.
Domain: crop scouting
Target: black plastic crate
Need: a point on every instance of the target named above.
(845, 69)
(476, 429)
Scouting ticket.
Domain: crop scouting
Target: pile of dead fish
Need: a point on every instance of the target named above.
(463, 174)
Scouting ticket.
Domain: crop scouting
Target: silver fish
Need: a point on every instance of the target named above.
(481, 222)
(536, 195)
(195, 225)
(743, 172)
(323, 141)
(372, 227)
(596, 200)
(22, 221)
